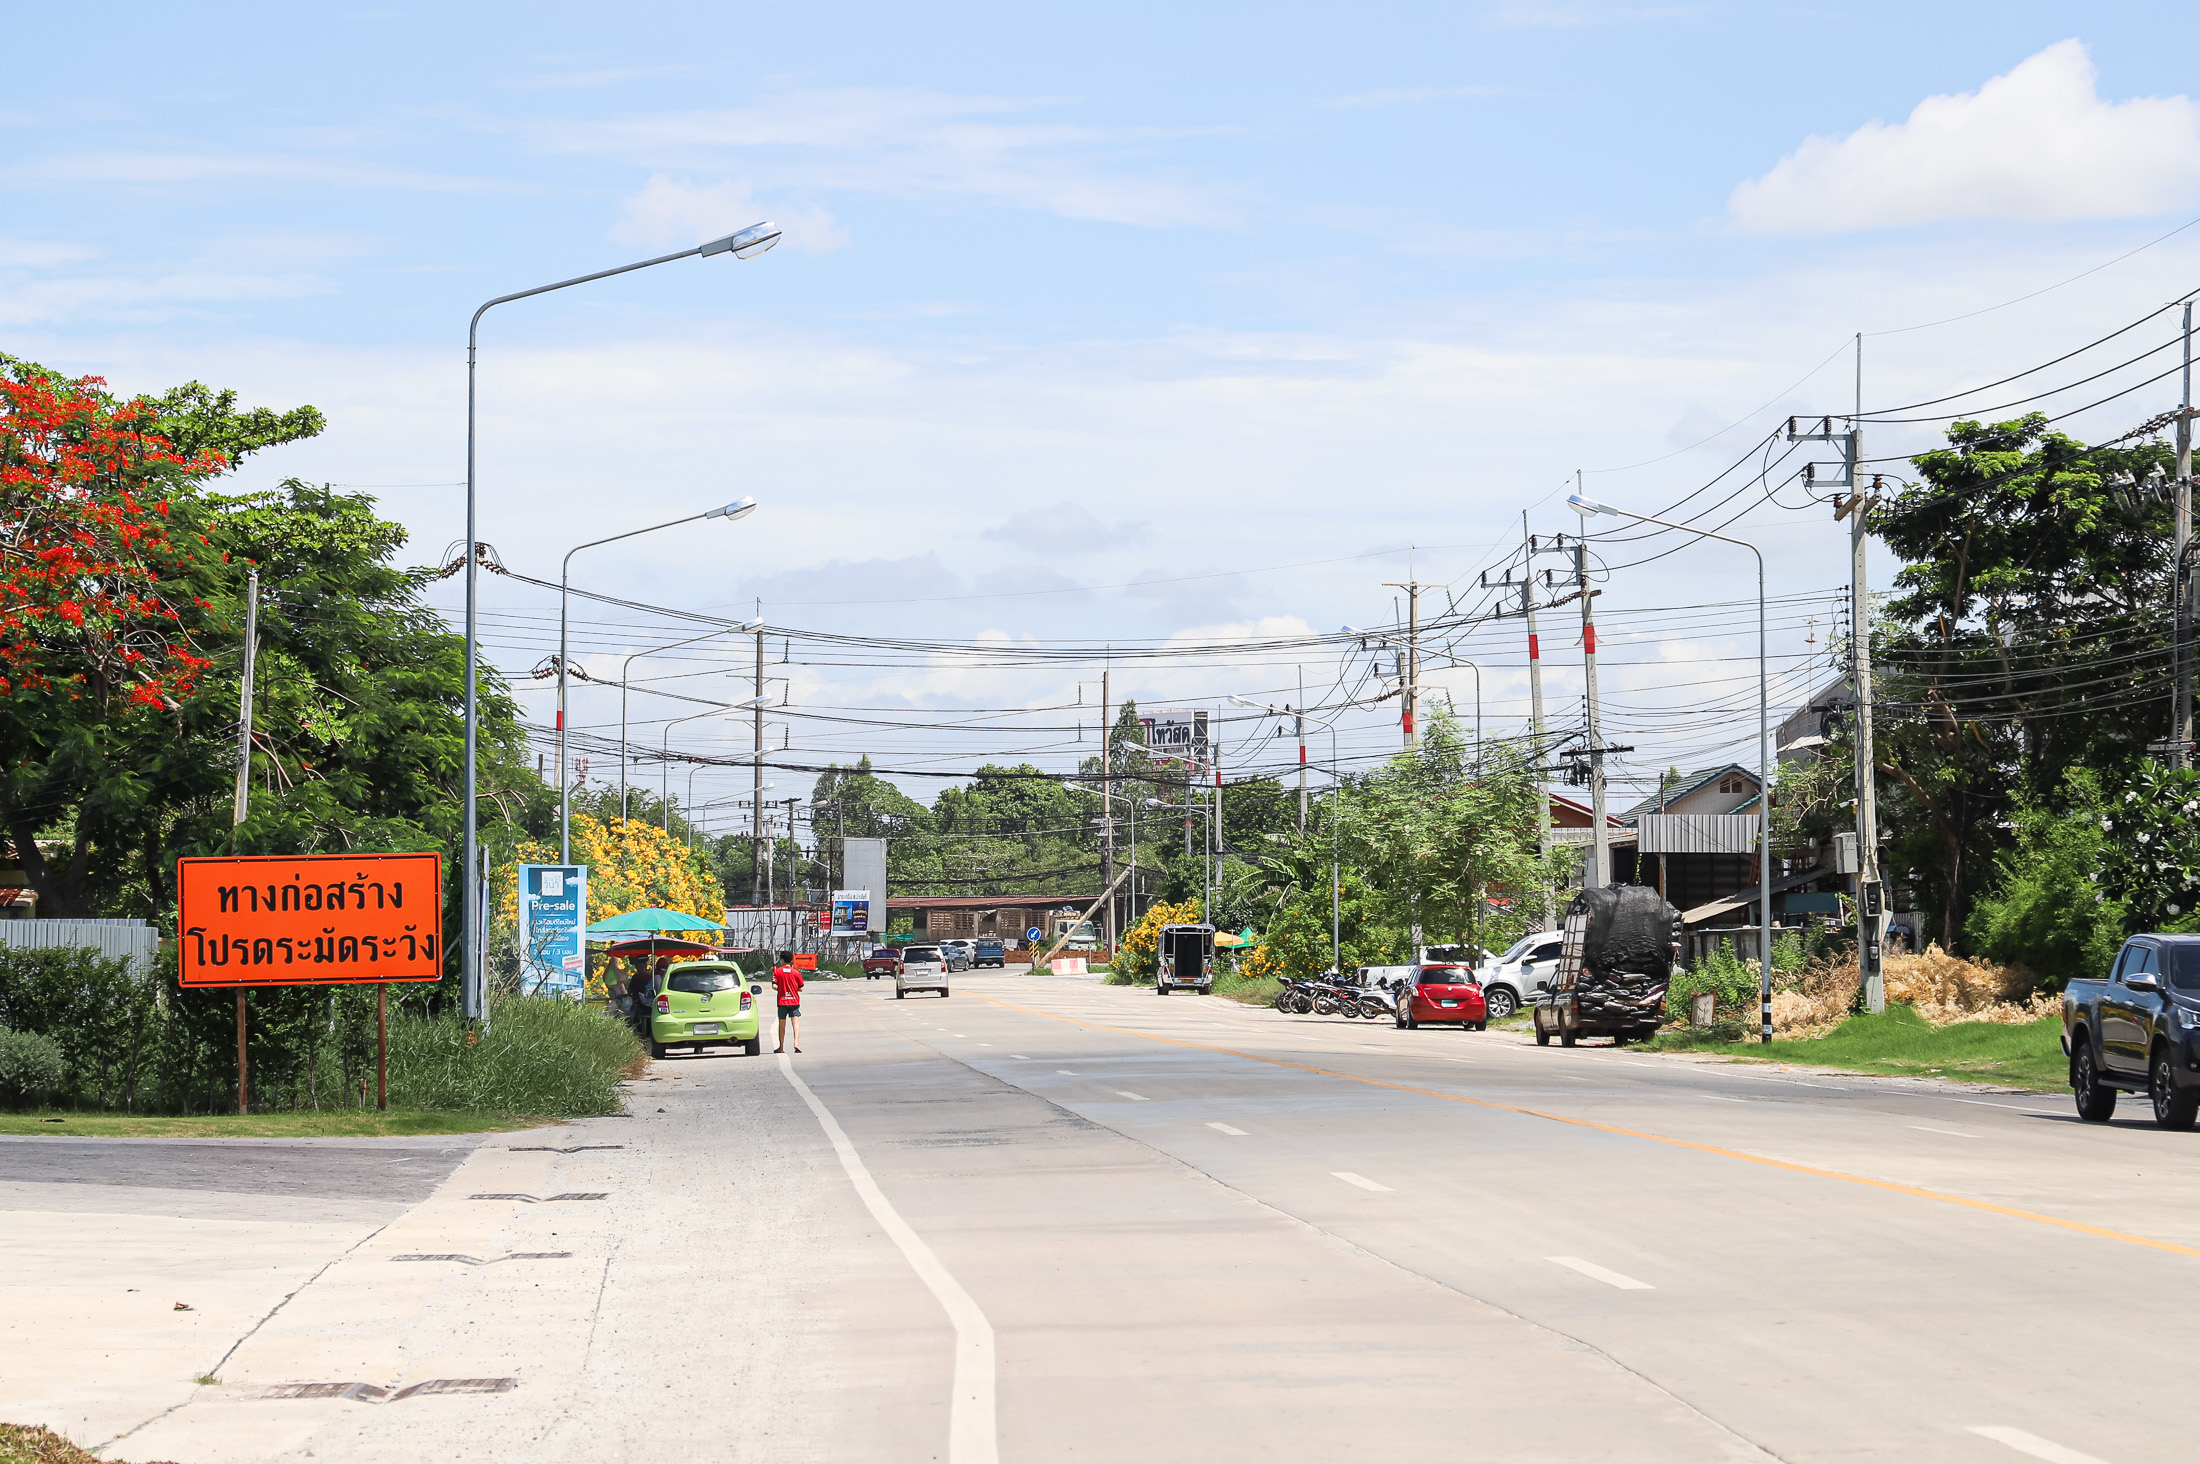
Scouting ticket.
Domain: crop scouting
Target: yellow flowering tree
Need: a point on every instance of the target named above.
(1139, 956)
(632, 865)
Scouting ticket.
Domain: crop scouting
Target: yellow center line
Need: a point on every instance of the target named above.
(1887, 1185)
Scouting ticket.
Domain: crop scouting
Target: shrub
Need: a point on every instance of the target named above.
(31, 1067)
(1731, 980)
(545, 1056)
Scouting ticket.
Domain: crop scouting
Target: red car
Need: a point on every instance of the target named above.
(1443, 994)
(881, 962)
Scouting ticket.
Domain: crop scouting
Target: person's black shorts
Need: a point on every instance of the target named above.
(786, 1011)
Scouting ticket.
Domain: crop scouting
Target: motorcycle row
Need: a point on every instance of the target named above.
(1326, 996)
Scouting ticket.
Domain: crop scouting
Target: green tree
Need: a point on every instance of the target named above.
(2026, 636)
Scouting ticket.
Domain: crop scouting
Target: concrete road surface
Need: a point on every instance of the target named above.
(1050, 1219)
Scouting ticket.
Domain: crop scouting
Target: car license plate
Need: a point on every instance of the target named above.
(706, 1029)
(1445, 1002)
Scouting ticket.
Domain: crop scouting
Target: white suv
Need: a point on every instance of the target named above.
(1510, 981)
(923, 968)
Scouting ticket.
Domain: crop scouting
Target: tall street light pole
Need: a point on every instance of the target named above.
(1336, 779)
(746, 244)
(1589, 506)
(739, 508)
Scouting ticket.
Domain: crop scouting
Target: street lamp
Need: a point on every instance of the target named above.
(1336, 887)
(1587, 507)
(739, 508)
(627, 666)
(664, 755)
(746, 244)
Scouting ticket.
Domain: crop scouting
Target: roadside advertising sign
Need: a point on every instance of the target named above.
(309, 919)
(851, 913)
(805, 961)
(1177, 738)
(553, 915)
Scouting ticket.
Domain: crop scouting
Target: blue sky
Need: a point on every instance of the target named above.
(1127, 294)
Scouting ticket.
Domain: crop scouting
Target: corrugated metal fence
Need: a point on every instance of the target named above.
(131, 940)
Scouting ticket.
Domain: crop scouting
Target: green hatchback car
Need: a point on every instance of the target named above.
(707, 1004)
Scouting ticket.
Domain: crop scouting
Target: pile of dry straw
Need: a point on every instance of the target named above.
(1944, 989)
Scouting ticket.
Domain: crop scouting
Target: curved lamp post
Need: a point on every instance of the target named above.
(739, 508)
(1589, 506)
(747, 244)
(1336, 886)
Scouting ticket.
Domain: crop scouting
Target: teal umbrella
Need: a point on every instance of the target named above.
(653, 919)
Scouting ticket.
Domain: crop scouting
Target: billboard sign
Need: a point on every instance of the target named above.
(851, 914)
(1177, 738)
(309, 919)
(553, 915)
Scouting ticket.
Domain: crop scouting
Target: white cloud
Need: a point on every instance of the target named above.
(167, 169)
(670, 212)
(910, 144)
(2037, 143)
(1063, 529)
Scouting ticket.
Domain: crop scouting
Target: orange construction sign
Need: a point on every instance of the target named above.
(309, 919)
(804, 961)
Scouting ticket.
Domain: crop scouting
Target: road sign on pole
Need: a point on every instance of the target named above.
(309, 919)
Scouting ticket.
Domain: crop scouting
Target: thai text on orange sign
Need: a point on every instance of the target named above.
(309, 919)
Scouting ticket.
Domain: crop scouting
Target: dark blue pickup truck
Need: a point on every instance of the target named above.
(2138, 1030)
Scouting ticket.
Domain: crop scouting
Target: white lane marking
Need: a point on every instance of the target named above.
(1019, 1057)
(1065, 1072)
(2033, 1444)
(1721, 1098)
(1367, 1184)
(2004, 1107)
(972, 1434)
(1134, 1097)
(985, 1044)
(1223, 1128)
(954, 1034)
(1598, 1273)
(1951, 1133)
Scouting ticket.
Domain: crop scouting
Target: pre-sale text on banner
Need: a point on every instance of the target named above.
(309, 919)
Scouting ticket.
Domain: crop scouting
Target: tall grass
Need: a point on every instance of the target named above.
(558, 1059)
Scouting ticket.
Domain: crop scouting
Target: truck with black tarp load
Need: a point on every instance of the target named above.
(1621, 944)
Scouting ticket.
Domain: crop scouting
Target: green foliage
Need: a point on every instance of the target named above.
(1733, 981)
(2023, 639)
(2048, 909)
(31, 1067)
(1437, 836)
(542, 1056)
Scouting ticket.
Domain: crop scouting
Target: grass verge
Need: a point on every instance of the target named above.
(1900, 1042)
(324, 1125)
(22, 1444)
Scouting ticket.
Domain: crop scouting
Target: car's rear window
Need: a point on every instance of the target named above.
(699, 982)
(1440, 976)
(920, 953)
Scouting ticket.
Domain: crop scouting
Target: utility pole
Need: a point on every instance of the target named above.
(1107, 805)
(2180, 722)
(244, 704)
(1535, 712)
(1871, 902)
(1410, 693)
(244, 779)
(1539, 747)
(756, 782)
(1299, 723)
(1599, 872)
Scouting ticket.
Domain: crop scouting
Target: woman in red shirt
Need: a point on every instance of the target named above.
(789, 982)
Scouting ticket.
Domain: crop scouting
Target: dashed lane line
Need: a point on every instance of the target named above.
(1223, 1128)
(1362, 1181)
(1951, 1133)
(1886, 1186)
(1134, 1097)
(2032, 1444)
(1596, 1272)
